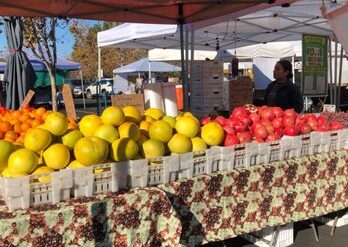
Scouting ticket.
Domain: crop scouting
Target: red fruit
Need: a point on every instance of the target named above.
(310, 116)
(205, 120)
(299, 121)
(229, 129)
(336, 125)
(255, 117)
(232, 122)
(277, 123)
(230, 140)
(272, 137)
(244, 137)
(291, 131)
(323, 128)
(239, 111)
(269, 128)
(321, 120)
(259, 140)
(305, 129)
(221, 120)
(279, 132)
(260, 131)
(265, 122)
(278, 112)
(288, 121)
(240, 127)
(245, 119)
(290, 113)
(313, 123)
(268, 114)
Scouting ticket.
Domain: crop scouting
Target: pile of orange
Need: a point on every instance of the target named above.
(15, 123)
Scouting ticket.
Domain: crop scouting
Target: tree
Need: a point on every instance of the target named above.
(40, 37)
(85, 50)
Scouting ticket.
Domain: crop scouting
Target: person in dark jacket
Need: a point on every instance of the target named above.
(283, 92)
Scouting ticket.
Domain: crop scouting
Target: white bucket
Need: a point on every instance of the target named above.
(170, 100)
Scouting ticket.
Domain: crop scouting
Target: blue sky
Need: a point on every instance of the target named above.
(64, 45)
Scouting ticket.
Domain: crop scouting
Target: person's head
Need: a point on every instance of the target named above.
(282, 71)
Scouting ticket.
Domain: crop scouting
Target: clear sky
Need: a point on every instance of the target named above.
(64, 44)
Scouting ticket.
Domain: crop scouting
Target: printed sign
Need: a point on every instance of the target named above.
(314, 65)
(136, 100)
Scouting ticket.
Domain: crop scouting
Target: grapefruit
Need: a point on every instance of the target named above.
(198, 144)
(141, 140)
(70, 138)
(89, 124)
(6, 173)
(144, 127)
(155, 113)
(160, 130)
(132, 114)
(37, 139)
(22, 162)
(124, 149)
(6, 148)
(212, 134)
(56, 123)
(113, 115)
(129, 129)
(91, 150)
(187, 126)
(107, 132)
(57, 156)
(43, 170)
(170, 120)
(152, 148)
(180, 144)
(75, 164)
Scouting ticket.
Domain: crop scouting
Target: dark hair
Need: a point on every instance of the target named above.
(287, 66)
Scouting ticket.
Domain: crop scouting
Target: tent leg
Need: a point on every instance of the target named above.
(183, 72)
(330, 71)
(83, 91)
(99, 78)
(192, 56)
(340, 81)
(293, 69)
(335, 83)
(150, 78)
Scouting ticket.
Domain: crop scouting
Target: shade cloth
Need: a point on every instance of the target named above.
(190, 212)
(19, 74)
(143, 65)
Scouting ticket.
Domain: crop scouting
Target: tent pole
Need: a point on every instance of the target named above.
(335, 85)
(150, 78)
(340, 79)
(330, 70)
(83, 90)
(293, 69)
(183, 72)
(99, 79)
(192, 74)
(187, 55)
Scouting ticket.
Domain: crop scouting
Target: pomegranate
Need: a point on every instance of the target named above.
(260, 131)
(245, 119)
(277, 123)
(291, 130)
(336, 125)
(305, 129)
(221, 120)
(290, 113)
(268, 114)
(229, 129)
(278, 112)
(255, 117)
(244, 137)
(272, 137)
(321, 120)
(230, 140)
(239, 111)
(288, 121)
(205, 120)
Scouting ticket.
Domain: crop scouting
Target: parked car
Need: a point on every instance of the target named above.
(76, 87)
(43, 98)
(105, 88)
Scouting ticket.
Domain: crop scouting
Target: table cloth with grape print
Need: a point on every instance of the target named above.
(189, 212)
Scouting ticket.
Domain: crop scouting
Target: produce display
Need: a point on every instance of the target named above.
(38, 141)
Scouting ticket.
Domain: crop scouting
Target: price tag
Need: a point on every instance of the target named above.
(329, 108)
(68, 101)
(27, 98)
(136, 100)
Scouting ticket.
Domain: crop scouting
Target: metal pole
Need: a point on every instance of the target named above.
(183, 72)
(330, 71)
(192, 74)
(187, 54)
(99, 79)
(150, 78)
(340, 80)
(335, 85)
(293, 68)
(83, 90)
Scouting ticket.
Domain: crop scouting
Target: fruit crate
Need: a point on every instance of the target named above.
(92, 180)
(27, 191)
(283, 236)
(280, 149)
(333, 140)
(206, 101)
(134, 173)
(206, 87)
(207, 161)
(195, 92)
(250, 154)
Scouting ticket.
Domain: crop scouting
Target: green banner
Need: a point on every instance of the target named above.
(314, 65)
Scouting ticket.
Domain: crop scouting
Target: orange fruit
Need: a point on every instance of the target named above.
(39, 111)
(16, 114)
(11, 136)
(20, 139)
(39, 117)
(25, 127)
(17, 128)
(44, 115)
(35, 123)
(2, 135)
(5, 126)
(24, 117)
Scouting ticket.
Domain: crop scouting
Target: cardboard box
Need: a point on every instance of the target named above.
(136, 100)
(237, 93)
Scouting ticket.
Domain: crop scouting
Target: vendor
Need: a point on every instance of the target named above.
(283, 92)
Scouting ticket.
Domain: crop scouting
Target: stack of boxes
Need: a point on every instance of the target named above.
(237, 93)
(206, 87)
